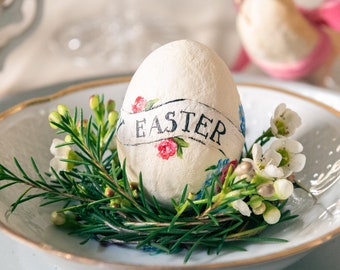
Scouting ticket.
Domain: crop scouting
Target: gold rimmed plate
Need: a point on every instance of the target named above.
(25, 133)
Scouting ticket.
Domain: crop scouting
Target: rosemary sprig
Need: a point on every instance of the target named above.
(100, 202)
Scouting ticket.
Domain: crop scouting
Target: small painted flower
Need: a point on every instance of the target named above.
(266, 164)
(139, 104)
(166, 148)
(291, 158)
(284, 122)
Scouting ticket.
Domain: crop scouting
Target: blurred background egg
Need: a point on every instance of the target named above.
(181, 114)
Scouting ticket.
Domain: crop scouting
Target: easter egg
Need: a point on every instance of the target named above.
(181, 114)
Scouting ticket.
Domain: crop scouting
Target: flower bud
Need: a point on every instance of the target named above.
(85, 123)
(134, 185)
(94, 102)
(260, 209)
(68, 138)
(245, 167)
(108, 192)
(113, 118)
(272, 214)
(110, 105)
(58, 218)
(62, 109)
(115, 203)
(255, 201)
(283, 189)
(66, 218)
(266, 189)
(54, 117)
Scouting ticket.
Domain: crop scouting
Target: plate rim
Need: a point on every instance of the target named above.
(93, 261)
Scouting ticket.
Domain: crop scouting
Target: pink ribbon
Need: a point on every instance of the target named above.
(328, 14)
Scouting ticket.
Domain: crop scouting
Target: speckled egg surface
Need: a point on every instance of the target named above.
(181, 114)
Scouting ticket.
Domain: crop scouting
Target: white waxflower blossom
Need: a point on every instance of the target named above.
(284, 122)
(63, 152)
(291, 158)
(266, 164)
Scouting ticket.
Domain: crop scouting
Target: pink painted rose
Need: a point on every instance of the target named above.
(139, 104)
(166, 148)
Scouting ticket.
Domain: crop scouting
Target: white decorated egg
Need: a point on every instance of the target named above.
(181, 114)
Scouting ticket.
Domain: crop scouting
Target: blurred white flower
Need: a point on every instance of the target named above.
(284, 122)
(60, 153)
(291, 158)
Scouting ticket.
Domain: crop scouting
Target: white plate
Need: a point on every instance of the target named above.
(25, 132)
